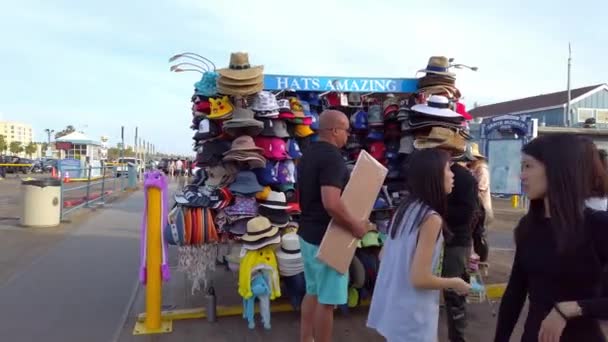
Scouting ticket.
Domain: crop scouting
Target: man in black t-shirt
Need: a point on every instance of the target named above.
(322, 175)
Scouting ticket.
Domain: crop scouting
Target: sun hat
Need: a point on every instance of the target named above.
(278, 217)
(242, 122)
(221, 108)
(245, 183)
(275, 200)
(258, 228)
(243, 143)
(240, 69)
(438, 65)
(438, 106)
(233, 90)
(441, 137)
(219, 176)
(259, 244)
(212, 152)
(289, 256)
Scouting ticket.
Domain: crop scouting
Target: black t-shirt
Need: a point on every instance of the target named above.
(462, 203)
(321, 165)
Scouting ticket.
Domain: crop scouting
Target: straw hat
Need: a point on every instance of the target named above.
(443, 138)
(240, 69)
(438, 65)
(259, 228)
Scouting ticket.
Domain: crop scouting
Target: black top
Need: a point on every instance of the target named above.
(547, 278)
(462, 203)
(321, 165)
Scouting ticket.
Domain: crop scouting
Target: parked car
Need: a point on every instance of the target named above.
(25, 169)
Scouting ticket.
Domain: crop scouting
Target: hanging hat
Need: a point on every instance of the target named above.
(228, 82)
(437, 106)
(406, 144)
(375, 134)
(267, 175)
(358, 121)
(374, 115)
(219, 176)
(207, 86)
(293, 149)
(275, 128)
(275, 200)
(472, 152)
(289, 256)
(243, 123)
(263, 195)
(274, 148)
(242, 207)
(175, 229)
(314, 125)
(231, 90)
(243, 143)
(245, 183)
(285, 109)
(441, 137)
(240, 69)
(265, 102)
(259, 228)
(261, 243)
(438, 65)
(303, 131)
(207, 129)
(354, 99)
(278, 217)
(212, 152)
(377, 150)
(221, 108)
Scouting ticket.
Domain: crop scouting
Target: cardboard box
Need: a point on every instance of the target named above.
(338, 246)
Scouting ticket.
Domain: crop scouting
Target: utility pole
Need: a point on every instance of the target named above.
(567, 116)
(122, 139)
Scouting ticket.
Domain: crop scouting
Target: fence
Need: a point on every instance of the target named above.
(92, 186)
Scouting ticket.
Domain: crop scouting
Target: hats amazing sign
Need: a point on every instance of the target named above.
(314, 83)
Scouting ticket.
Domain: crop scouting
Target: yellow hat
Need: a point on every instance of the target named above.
(221, 108)
(263, 195)
(303, 131)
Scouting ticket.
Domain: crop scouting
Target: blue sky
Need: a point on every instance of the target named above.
(99, 65)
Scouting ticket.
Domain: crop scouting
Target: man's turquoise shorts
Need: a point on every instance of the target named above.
(328, 285)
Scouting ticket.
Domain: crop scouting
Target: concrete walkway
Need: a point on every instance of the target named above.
(79, 288)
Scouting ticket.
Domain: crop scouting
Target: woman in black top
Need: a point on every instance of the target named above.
(562, 248)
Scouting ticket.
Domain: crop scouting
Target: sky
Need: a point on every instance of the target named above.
(100, 65)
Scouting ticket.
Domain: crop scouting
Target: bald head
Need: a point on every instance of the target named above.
(333, 127)
(330, 119)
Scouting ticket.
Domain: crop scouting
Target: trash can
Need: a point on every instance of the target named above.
(40, 205)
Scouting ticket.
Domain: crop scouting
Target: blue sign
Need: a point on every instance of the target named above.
(523, 124)
(343, 84)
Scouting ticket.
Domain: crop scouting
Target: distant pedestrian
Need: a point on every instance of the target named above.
(172, 169)
(179, 167)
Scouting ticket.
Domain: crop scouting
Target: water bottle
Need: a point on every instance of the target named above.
(211, 302)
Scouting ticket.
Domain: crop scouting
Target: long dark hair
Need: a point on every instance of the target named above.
(425, 184)
(598, 178)
(567, 169)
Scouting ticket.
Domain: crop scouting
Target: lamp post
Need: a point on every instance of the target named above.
(461, 66)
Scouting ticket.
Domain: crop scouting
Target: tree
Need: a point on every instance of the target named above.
(69, 129)
(15, 147)
(3, 144)
(31, 148)
(45, 146)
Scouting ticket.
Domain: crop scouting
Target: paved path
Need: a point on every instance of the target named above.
(78, 288)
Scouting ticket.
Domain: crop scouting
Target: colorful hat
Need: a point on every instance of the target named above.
(358, 121)
(303, 131)
(374, 115)
(221, 108)
(207, 86)
(293, 149)
(265, 103)
(273, 148)
(267, 175)
(275, 200)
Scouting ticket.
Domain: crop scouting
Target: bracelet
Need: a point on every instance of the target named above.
(560, 312)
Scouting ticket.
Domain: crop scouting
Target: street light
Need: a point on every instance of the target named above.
(461, 66)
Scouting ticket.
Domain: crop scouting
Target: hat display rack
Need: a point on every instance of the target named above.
(243, 199)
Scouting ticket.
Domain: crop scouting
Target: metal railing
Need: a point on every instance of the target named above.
(91, 186)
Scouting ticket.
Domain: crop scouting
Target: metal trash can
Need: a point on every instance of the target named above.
(40, 205)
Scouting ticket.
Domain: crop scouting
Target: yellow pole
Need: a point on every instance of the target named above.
(515, 201)
(153, 260)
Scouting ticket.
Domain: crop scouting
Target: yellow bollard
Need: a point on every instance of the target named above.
(153, 323)
(515, 201)
(154, 258)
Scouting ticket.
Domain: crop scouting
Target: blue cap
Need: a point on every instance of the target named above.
(315, 120)
(293, 149)
(358, 121)
(375, 135)
(268, 174)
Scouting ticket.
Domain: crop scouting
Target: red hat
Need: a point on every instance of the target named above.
(392, 130)
(462, 110)
(202, 106)
(377, 150)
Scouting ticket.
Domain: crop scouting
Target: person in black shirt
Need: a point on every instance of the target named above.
(462, 204)
(322, 175)
(561, 255)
